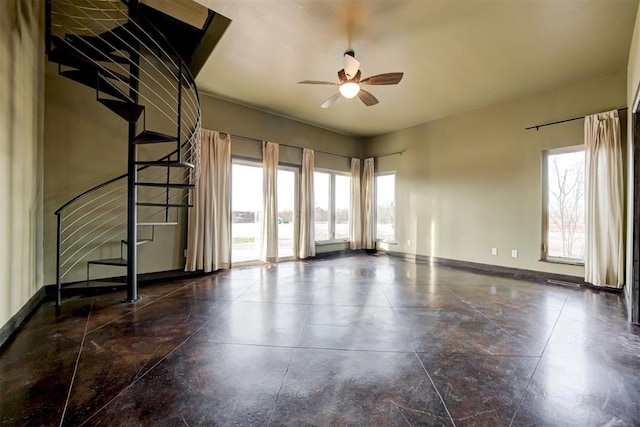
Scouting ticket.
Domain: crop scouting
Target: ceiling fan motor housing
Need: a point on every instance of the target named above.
(342, 76)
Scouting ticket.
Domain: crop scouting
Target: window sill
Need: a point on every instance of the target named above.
(563, 261)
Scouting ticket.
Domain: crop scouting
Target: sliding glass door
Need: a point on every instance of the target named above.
(246, 211)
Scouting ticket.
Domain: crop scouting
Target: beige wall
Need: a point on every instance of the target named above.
(225, 116)
(472, 182)
(21, 112)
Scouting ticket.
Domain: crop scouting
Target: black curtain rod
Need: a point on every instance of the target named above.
(537, 127)
(316, 151)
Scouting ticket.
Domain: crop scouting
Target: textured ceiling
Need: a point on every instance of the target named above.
(456, 55)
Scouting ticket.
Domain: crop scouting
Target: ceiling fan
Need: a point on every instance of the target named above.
(349, 82)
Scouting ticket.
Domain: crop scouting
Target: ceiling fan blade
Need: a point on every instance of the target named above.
(367, 98)
(331, 100)
(316, 82)
(351, 66)
(383, 79)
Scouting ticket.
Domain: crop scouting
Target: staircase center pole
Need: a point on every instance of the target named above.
(132, 196)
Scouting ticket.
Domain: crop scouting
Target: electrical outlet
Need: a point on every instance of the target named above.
(494, 251)
(514, 253)
(408, 242)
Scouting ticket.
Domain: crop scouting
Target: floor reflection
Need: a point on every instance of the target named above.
(341, 340)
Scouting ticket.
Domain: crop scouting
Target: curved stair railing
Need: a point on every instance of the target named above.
(136, 74)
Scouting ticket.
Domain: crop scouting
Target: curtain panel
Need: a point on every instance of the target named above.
(604, 251)
(368, 205)
(355, 222)
(307, 247)
(269, 221)
(208, 229)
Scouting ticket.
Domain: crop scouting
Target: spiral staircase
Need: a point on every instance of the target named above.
(136, 74)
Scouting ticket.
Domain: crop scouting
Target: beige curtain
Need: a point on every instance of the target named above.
(604, 251)
(269, 221)
(22, 185)
(355, 223)
(368, 205)
(208, 231)
(307, 202)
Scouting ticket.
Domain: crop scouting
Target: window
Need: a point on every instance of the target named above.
(246, 210)
(341, 206)
(563, 205)
(332, 192)
(287, 190)
(385, 207)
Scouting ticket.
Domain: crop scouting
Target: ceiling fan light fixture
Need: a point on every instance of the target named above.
(349, 89)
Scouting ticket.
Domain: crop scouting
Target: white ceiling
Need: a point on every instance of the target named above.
(456, 55)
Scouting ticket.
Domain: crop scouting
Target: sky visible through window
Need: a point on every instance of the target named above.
(247, 188)
(321, 189)
(386, 190)
(286, 190)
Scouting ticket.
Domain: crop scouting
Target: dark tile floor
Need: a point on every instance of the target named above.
(353, 340)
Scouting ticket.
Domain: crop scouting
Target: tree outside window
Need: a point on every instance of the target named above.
(564, 236)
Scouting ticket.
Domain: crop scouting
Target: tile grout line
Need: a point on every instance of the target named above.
(255, 282)
(526, 389)
(136, 308)
(482, 314)
(137, 379)
(75, 367)
(406, 334)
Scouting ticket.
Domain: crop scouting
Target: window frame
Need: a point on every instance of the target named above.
(393, 241)
(545, 205)
(332, 204)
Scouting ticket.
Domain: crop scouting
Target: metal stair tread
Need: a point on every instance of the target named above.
(74, 60)
(87, 50)
(110, 261)
(90, 77)
(165, 185)
(152, 137)
(117, 38)
(91, 51)
(129, 111)
(164, 205)
(167, 163)
(70, 59)
(139, 242)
